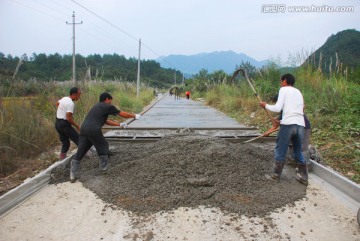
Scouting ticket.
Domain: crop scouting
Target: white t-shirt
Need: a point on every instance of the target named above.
(65, 105)
(291, 101)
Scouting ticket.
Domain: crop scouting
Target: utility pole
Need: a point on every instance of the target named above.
(138, 73)
(175, 77)
(73, 24)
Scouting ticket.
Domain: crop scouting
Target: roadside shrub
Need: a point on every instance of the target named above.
(27, 122)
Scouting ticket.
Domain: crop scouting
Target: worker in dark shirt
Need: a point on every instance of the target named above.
(91, 132)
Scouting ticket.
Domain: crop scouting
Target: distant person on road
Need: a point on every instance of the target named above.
(176, 91)
(291, 103)
(187, 93)
(91, 133)
(64, 121)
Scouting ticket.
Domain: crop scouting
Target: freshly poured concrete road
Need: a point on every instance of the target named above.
(183, 113)
(71, 212)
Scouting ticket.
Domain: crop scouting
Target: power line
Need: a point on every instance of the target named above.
(47, 6)
(123, 31)
(52, 9)
(98, 16)
(44, 13)
(65, 7)
(137, 39)
(105, 34)
(35, 9)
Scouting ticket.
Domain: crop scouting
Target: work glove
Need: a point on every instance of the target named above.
(123, 125)
(137, 116)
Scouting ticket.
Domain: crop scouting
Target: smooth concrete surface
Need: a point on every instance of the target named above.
(182, 113)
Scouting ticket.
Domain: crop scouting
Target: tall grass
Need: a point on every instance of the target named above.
(27, 123)
(332, 105)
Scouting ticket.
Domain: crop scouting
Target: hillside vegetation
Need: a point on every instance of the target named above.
(56, 67)
(340, 53)
(332, 105)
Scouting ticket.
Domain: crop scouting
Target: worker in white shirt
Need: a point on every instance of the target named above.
(65, 122)
(291, 103)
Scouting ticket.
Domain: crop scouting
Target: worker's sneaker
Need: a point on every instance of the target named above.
(73, 169)
(62, 155)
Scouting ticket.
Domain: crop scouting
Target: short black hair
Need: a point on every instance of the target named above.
(290, 79)
(74, 90)
(105, 96)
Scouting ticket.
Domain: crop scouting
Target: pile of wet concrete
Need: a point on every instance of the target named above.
(189, 171)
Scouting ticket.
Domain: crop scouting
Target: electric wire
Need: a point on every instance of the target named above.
(94, 26)
(105, 20)
(26, 6)
(123, 31)
(57, 11)
(65, 7)
(104, 33)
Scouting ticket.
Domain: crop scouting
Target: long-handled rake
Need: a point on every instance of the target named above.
(236, 73)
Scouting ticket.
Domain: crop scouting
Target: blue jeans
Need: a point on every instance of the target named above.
(287, 133)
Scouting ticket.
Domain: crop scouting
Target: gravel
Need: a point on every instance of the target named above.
(188, 170)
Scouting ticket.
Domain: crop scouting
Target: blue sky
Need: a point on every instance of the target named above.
(171, 27)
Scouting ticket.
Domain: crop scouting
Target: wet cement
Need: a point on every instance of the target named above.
(187, 170)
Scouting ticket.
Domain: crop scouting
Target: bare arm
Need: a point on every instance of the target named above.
(112, 123)
(70, 119)
(279, 103)
(122, 114)
(126, 114)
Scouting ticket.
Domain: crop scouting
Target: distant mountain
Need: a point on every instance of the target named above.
(220, 60)
(344, 44)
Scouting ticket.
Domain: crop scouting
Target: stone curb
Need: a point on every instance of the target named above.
(14, 197)
(338, 181)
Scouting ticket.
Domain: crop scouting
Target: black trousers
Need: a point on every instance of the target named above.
(87, 140)
(66, 133)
